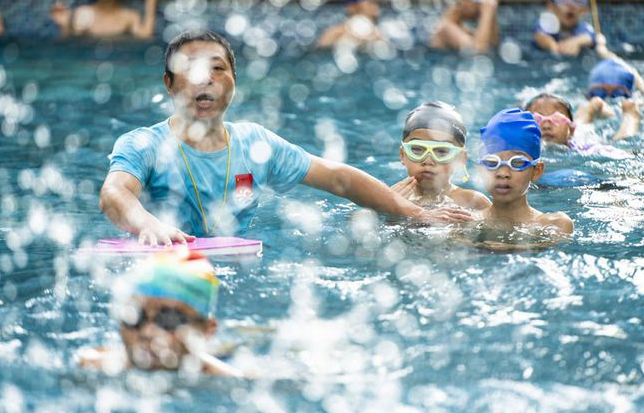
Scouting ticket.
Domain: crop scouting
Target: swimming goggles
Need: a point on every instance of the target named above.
(556, 119)
(167, 318)
(609, 91)
(441, 152)
(516, 163)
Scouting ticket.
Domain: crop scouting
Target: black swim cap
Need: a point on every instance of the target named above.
(438, 116)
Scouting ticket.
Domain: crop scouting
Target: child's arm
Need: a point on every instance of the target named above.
(214, 366)
(487, 27)
(591, 109)
(546, 42)
(573, 45)
(630, 125)
(330, 36)
(145, 29)
(365, 190)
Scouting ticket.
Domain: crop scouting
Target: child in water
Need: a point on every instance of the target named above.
(452, 32)
(432, 149)
(553, 113)
(509, 162)
(166, 317)
(610, 79)
(560, 30)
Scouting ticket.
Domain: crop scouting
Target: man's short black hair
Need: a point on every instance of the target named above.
(199, 35)
(559, 99)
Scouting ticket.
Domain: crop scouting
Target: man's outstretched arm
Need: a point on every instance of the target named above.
(365, 190)
(120, 202)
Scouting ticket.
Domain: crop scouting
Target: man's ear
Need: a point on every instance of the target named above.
(538, 172)
(168, 83)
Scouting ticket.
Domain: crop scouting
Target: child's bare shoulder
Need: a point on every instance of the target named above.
(558, 220)
(470, 198)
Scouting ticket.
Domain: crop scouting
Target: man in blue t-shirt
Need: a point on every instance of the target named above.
(198, 175)
(560, 30)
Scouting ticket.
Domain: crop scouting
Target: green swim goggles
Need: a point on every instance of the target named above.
(441, 152)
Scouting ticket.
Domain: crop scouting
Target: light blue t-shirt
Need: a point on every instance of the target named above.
(152, 155)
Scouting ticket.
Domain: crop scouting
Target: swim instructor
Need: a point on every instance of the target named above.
(200, 176)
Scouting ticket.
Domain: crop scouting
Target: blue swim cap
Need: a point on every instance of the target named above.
(180, 275)
(511, 130)
(611, 72)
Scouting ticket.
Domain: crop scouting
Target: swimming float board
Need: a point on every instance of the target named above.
(568, 178)
(206, 246)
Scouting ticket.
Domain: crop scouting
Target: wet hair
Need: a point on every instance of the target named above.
(559, 99)
(199, 35)
(436, 115)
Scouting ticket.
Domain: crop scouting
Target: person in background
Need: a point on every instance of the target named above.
(561, 31)
(166, 308)
(452, 32)
(105, 18)
(432, 149)
(553, 113)
(1, 25)
(359, 29)
(612, 79)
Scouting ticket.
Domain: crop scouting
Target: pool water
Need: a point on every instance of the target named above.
(355, 314)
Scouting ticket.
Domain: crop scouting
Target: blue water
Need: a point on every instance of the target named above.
(366, 316)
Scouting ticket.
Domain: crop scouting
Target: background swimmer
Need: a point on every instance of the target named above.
(561, 30)
(104, 18)
(553, 113)
(452, 32)
(166, 310)
(611, 79)
(360, 28)
(509, 161)
(433, 148)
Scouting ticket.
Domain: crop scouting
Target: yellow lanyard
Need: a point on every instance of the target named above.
(194, 184)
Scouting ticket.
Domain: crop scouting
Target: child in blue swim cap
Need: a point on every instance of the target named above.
(166, 310)
(553, 113)
(433, 150)
(560, 29)
(509, 159)
(612, 78)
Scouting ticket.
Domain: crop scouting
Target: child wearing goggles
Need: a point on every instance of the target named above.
(561, 31)
(509, 162)
(553, 113)
(432, 150)
(610, 79)
(166, 310)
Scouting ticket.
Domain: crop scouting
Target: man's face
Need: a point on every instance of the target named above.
(203, 84)
(158, 333)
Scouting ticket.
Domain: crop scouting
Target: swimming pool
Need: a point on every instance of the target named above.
(366, 316)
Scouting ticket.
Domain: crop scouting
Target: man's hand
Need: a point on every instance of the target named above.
(444, 216)
(405, 188)
(155, 232)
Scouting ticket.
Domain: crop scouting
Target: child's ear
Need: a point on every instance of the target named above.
(401, 153)
(168, 83)
(538, 172)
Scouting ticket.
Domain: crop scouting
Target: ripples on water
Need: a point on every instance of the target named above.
(343, 312)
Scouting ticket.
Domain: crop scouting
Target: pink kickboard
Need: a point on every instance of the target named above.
(207, 246)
